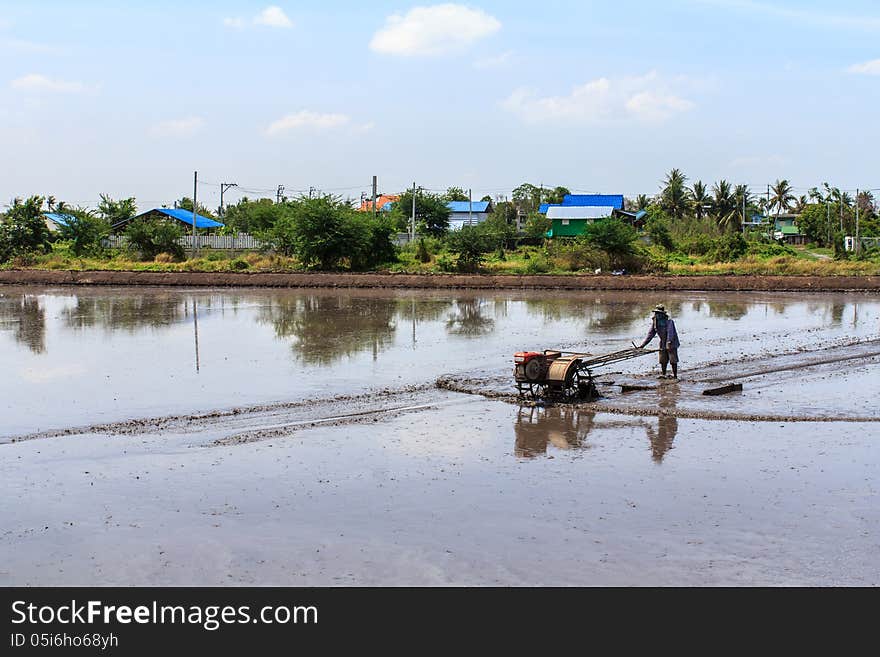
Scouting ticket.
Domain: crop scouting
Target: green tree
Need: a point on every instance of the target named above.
(724, 207)
(642, 202)
(674, 197)
(815, 222)
(700, 199)
(252, 216)
(555, 195)
(527, 198)
(470, 244)
(324, 233)
(781, 196)
(114, 212)
(613, 236)
(537, 226)
(657, 227)
(150, 237)
(432, 214)
(84, 231)
(454, 194)
(186, 203)
(23, 229)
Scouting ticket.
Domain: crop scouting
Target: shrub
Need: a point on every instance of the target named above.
(23, 230)
(577, 255)
(537, 265)
(422, 254)
(613, 236)
(470, 244)
(150, 237)
(240, 264)
(84, 231)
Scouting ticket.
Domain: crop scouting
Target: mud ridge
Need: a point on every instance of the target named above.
(165, 423)
(447, 281)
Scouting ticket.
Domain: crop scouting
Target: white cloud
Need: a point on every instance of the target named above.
(495, 61)
(866, 68)
(37, 82)
(306, 120)
(273, 17)
(645, 98)
(185, 127)
(433, 30)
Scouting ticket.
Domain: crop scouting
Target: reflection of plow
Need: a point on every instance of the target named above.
(563, 376)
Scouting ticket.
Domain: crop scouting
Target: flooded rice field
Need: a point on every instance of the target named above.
(290, 437)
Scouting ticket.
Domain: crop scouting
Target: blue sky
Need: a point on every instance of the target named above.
(130, 99)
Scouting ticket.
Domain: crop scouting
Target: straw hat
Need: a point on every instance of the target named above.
(660, 308)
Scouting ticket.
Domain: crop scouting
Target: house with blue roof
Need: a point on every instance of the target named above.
(468, 213)
(184, 217)
(55, 220)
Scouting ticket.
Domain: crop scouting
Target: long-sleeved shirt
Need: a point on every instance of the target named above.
(670, 340)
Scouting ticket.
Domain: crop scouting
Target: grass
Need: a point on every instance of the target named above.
(524, 260)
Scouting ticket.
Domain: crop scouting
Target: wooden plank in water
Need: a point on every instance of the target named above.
(629, 388)
(723, 390)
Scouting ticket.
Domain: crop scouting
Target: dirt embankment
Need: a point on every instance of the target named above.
(442, 281)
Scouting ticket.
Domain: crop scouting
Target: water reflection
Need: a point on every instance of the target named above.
(327, 328)
(128, 313)
(564, 427)
(569, 427)
(663, 432)
(469, 319)
(26, 318)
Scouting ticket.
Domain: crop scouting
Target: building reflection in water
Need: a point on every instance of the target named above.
(567, 427)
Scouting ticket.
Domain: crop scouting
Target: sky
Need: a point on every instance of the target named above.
(129, 99)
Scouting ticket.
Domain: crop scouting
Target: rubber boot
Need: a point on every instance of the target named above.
(674, 370)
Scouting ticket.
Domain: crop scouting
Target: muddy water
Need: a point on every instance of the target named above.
(290, 437)
(74, 357)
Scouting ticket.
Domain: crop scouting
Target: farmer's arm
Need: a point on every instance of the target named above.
(671, 336)
(651, 333)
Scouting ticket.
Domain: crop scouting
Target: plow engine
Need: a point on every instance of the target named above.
(532, 366)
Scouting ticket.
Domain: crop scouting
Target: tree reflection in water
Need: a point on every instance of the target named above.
(126, 312)
(26, 318)
(468, 319)
(326, 329)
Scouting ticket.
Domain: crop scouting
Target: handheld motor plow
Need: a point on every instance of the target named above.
(564, 376)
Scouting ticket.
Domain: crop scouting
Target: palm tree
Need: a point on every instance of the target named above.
(700, 199)
(642, 202)
(674, 197)
(743, 200)
(724, 205)
(800, 204)
(781, 196)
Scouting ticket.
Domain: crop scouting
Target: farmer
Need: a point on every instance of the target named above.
(663, 327)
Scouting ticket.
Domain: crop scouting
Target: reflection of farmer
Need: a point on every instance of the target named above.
(663, 327)
(667, 424)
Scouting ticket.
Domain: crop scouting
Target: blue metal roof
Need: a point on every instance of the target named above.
(594, 200)
(60, 219)
(466, 206)
(543, 208)
(185, 216)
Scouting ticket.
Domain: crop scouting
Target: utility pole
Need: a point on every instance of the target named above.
(827, 221)
(412, 223)
(278, 193)
(375, 191)
(744, 212)
(858, 245)
(195, 206)
(311, 191)
(470, 208)
(772, 228)
(223, 188)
